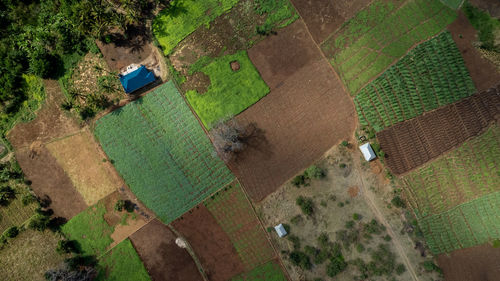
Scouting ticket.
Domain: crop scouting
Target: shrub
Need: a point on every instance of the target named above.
(398, 202)
(299, 180)
(296, 220)
(28, 199)
(342, 165)
(270, 229)
(431, 266)
(7, 193)
(340, 204)
(387, 238)
(360, 248)
(124, 204)
(39, 222)
(345, 143)
(300, 259)
(323, 241)
(373, 227)
(306, 205)
(356, 217)
(286, 227)
(67, 246)
(336, 266)
(400, 269)
(11, 232)
(314, 172)
(349, 224)
(295, 241)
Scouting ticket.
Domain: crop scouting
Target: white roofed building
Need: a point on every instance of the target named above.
(368, 152)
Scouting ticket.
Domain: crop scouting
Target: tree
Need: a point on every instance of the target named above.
(6, 194)
(305, 204)
(336, 266)
(229, 138)
(12, 232)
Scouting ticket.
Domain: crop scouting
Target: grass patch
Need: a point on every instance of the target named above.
(484, 24)
(90, 230)
(269, 271)
(183, 17)
(230, 92)
(122, 261)
(454, 4)
(161, 151)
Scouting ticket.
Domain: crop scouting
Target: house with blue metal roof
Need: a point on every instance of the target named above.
(137, 79)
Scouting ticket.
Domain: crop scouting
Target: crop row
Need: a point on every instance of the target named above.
(363, 52)
(162, 152)
(467, 225)
(431, 75)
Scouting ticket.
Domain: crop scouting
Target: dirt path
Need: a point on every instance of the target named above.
(370, 198)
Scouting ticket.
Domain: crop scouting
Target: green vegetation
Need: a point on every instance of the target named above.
(306, 205)
(233, 212)
(431, 75)
(230, 92)
(163, 154)
(122, 261)
(454, 4)
(380, 34)
(304, 179)
(280, 13)
(183, 17)
(465, 173)
(90, 230)
(486, 26)
(269, 271)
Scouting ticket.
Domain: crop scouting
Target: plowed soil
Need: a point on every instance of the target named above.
(483, 72)
(480, 263)
(163, 259)
(306, 112)
(323, 17)
(412, 143)
(210, 243)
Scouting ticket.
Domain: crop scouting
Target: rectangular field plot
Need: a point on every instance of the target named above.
(270, 271)
(16, 213)
(465, 173)
(235, 215)
(162, 152)
(412, 143)
(467, 225)
(431, 75)
(380, 34)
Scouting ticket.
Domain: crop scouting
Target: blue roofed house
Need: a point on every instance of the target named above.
(136, 79)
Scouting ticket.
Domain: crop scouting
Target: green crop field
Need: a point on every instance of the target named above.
(174, 24)
(269, 271)
(381, 34)
(235, 215)
(465, 173)
(466, 225)
(90, 230)
(122, 262)
(161, 151)
(454, 4)
(431, 75)
(230, 92)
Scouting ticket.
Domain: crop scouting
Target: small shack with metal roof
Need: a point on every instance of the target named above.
(136, 79)
(367, 151)
(280, 229)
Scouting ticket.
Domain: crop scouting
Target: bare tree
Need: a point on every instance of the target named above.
(229, 138)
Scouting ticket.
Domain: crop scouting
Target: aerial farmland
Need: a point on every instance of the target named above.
(250, 140)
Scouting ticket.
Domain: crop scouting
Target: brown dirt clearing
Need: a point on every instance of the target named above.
(163, 259)
(306, 112)
(210, 243)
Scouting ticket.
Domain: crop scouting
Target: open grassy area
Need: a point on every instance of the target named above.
(122, 262)
(175, 23)
(269, 271)
(161, 151)
(431, 75)
(381, 34)
(235, 215)
(90, 230)
(230, 92)
(29, 256)
(454, 4)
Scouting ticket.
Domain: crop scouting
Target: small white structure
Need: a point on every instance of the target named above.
(368, 152)
(280, 229)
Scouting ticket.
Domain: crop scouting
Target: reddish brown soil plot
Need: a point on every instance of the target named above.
(323, 17)
(210, 244)
(306, 112)
(480, 263)
(163, 259)
(483, 72)
(416, 141)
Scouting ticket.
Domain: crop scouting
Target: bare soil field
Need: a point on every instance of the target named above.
(50, 122)
(483, 72)
(480, 263)
(414, 142)
(50, 181)
(210, 244)
(80, 157)
(323, 17)
(163, 259)
(306, 112)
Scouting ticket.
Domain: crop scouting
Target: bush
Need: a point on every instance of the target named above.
(28, 199)
(286, 227)
(67, 246)
(296, 220)
(349, 224)
(11, 232)
(342, 165)
(299, 180)
(7, 193)
(400, 269)
(484, 24)
(360, 248)
(373, 227)
(387, 238)
(345, 143)
(336, 266)
(314, 172)
(431, 266)
(270, 229)
(300, 259)
(340, 204)
(39, 222)
(356, 217)
(398, 202)
(295, 241)
(306, 205)
(124, 204)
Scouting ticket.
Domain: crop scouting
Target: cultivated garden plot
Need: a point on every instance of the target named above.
(16, 213)
(211, 245)
(163, 154)
(235, 85)
(235, 215)
(162, 257)
(465, 173)
(431, 75)
(412, 143)
(269, 271)
(381, 34)
(122, 262)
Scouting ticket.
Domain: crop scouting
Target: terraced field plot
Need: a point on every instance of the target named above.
(414, 142)
(270, 271)
(161, 151)
(235, 215)
(466, 225)
(466, 173)
(380, 34)
(431, 75)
